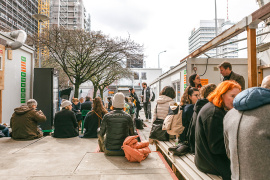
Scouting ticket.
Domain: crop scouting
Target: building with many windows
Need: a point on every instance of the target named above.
(70, 14)
(206, 32)
(17, 14)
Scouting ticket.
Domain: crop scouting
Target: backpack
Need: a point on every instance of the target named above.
(173, 121)
(153, 96)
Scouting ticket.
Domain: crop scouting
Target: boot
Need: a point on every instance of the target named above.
(181, 150)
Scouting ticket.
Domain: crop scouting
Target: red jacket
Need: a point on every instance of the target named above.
(135, 151)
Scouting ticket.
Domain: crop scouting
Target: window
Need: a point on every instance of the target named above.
(144, 76)
(136, 76)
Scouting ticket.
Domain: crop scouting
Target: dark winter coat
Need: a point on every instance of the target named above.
(210, 153)
(87, 105)
(109, 105)
(191, 130)
(65, 124)
(24, 123)
(238, 78)
(186, 118)
(77, 110)
(117, 125)
(91, 124)
(135, 97)
(147, 94)
(247, 134)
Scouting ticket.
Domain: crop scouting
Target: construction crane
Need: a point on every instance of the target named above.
(43, 8)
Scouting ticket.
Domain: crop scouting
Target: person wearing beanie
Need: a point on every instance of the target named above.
(65, 123)
(24, 121)
(116, 125)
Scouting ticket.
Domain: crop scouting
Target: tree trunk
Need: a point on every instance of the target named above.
(95, 91)
(77, 86)
(101, 92)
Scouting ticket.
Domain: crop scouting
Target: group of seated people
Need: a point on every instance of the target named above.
(226, 129)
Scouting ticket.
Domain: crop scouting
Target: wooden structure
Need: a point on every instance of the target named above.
(2, 73)
(248, 23)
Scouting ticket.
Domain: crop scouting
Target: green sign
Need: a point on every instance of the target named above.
(23, 79)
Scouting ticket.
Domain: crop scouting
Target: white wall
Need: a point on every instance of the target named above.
(12, 90)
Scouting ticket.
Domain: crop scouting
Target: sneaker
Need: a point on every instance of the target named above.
(181, 150)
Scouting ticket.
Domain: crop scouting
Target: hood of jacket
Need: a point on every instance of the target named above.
(164, 99)
(251, 98)
(199, 104)
(22, 110)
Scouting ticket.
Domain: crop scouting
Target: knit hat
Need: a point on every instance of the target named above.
(65, 103)
(118, 100)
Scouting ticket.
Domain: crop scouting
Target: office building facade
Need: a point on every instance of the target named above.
(206, 32)
(17, 14)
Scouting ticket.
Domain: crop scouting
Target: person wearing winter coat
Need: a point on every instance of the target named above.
(115, 127)
(210, 153)
(135, 100)
(189, 98)
(204, 92)
(247, 133)
(94, 118)
(164, 101)
(24, 121)
(76, 108)
(65, 123)
(87, 105)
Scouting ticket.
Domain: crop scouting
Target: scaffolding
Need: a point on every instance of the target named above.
(17, 14)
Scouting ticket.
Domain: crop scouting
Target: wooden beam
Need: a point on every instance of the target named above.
(252, 57)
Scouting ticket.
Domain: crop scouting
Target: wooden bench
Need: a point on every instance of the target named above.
(183, 166)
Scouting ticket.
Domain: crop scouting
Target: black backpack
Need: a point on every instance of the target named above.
(153, 96)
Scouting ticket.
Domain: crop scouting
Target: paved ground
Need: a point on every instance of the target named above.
(73, 158)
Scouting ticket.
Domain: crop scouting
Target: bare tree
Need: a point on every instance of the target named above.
(108, 76)
(82, 55)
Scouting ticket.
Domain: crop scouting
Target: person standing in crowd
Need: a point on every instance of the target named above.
(146, 99)
(76, 108)
(81, 100)
(109, 99)
(210, 153)
(65, 123)
(247, 133)
(4, 131)
(135, 100)
(94, 118)
(115, 127)
(132, 107)
(227, 73)
(204, 92)
(127, 106)
(195, 81)
(87, 105)
(24, 121)
(189, 98)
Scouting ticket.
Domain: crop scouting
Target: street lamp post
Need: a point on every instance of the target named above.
(158, 58)
(40, 18)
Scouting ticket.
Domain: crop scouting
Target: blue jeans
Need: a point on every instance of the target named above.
(5, 132)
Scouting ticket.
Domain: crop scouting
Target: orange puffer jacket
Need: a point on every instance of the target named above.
(135, 151)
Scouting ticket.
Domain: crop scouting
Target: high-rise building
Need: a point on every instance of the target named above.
(206, 32)
(17, 14)
(70, 14)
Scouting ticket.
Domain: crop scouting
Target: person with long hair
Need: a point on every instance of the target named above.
(189, 98)
(204, 92)
(195, 81)
(210, 152)
(93, 118)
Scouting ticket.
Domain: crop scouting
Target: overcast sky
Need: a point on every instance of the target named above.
(161, 25)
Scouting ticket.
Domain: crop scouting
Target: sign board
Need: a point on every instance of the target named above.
(185, 79)
(204, 82)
